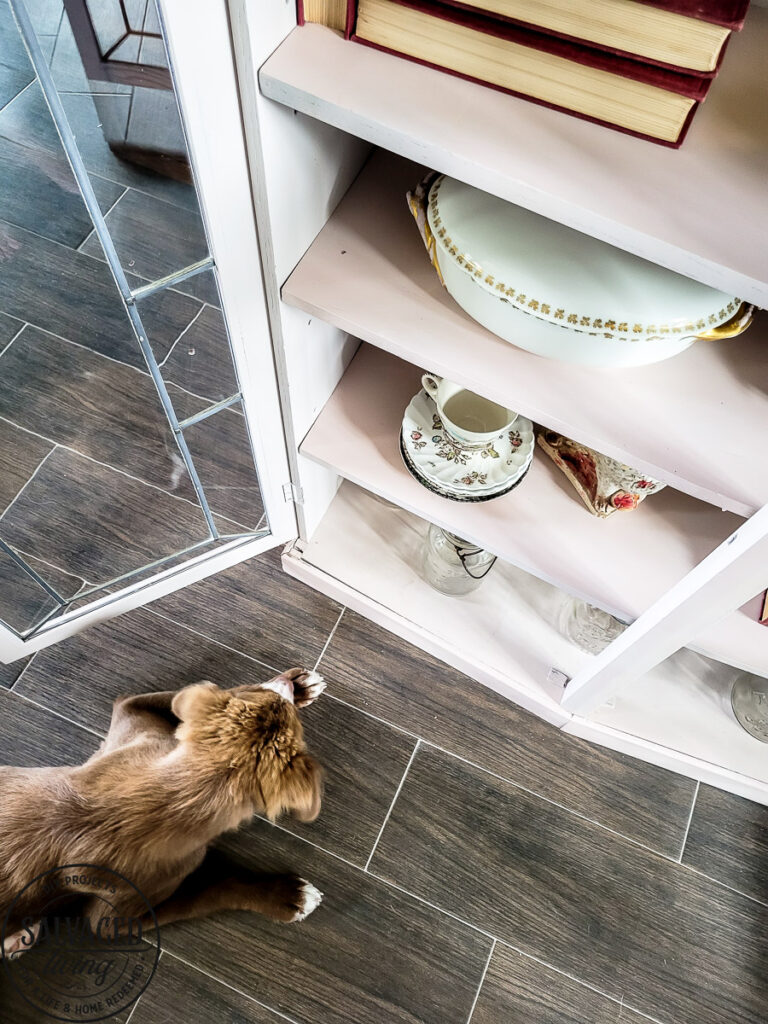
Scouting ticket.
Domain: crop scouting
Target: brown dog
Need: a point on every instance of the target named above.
(175, 771)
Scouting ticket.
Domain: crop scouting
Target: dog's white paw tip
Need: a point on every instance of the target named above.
(315, 684)
(311, 898)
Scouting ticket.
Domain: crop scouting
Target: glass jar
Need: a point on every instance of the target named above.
(452, 565)
(749, 699)
(588, 627)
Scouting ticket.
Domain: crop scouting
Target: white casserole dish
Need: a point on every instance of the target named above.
(562, 294)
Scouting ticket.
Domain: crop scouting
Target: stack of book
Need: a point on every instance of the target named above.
(641, 66)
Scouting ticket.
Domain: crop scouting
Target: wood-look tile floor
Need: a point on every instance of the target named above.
(478, 866)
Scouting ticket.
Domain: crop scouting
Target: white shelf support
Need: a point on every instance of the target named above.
(732, 574)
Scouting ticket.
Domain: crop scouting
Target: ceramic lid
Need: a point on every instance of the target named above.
(563, 276)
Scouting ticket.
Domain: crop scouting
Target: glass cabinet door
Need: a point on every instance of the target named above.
(141, 443)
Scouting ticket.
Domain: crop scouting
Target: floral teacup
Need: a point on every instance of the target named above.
(470, 419)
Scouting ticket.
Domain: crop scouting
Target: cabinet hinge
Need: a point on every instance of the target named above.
(559, 678)
(293, 493)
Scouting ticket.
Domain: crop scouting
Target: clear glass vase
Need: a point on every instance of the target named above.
(588, 627)
(452, 565)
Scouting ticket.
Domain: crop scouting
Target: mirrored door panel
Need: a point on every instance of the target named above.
(124, 445)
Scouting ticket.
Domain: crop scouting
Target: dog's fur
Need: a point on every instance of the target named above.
(175, 771)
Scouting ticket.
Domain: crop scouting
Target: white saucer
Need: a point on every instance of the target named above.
(441, 464)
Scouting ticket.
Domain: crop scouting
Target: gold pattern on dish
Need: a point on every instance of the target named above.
(599, 324)
(733, 327)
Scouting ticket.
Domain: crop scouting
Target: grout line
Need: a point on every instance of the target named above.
(690, 819)
(19, 676)
(87, 348)
(553, 803)
(482, 980)
(724, 885)
(501, 778)
(53, 565)
(135, 1005)
(20, 93)
(25, 324)
(31, 478)
(51, 711)
(391, 806)
(167, 356)
(226, 984)
(104, 214)
(330, 637)
(619, 1000)
(120, 362)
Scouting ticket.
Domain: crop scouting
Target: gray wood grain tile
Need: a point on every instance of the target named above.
(181, 993)
(221, 450)
(140, 652)
(78, 399)
(11, 672)
(363, 761)
(23, 602)
(18, 1010)
(728, 840)
(377, 671)
(38, 192)
(256, 608)
(20, 455)
(9, 328)
(154, 238)
(31, 737)
(369, 954)
(518, 990)
(201, 361)
(674, 945)
(72, 295)
(136, 653)
(95, 521)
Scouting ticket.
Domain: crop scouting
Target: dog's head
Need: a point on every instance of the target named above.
(253, 737)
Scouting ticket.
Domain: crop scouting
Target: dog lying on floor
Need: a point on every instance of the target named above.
(176, 770)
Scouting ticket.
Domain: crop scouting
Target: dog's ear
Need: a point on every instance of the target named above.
(298, 788)
(194, 701)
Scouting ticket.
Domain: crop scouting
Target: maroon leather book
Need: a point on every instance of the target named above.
(460, 5)
(693, 86)
(729, 13)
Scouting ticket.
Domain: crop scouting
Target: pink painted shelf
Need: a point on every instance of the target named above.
(623, 563)
(700, 210)
(696, 421)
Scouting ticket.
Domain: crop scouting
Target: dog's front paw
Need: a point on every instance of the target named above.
(307, 687)
(309, 899)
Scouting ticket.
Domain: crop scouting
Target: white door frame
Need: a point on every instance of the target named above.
(728, 577)
(206, 86)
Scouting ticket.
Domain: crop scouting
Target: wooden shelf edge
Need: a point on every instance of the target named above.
(640, 197)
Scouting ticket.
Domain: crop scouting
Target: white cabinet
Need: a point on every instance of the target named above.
(343, 265)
